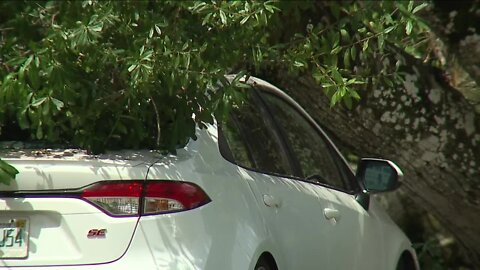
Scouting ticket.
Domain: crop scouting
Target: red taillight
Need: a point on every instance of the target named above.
(114, 189)
(124, 198)
(173, 196)
(116, 198)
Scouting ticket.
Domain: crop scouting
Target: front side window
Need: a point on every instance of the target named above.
(252, 141)
(306, 143)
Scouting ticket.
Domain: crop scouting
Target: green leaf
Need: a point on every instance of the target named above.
(206, 19)
(409, 27)
(5, 178)
(8, 168)
(34, 78)
(7, 172)
(28, 61)
(46, 108)
(354, 81)
(38, 101)
(381, 42)
(37, 61)
(158, 30)
(345, 35)
(389, 29)
(410, 5)
(336, 50)
(355, 94)
(132, 67)
(365, 45)
(270, 7)
(58, 103)
(336, 39)
(335, 98)
(317, 75)
(346, 59)
(337, 76)
(388, 81)
(245, 19)
(353, 52)
(187, 60)
(388, 19)
(96, 27)
(298, 64)
(223, 17)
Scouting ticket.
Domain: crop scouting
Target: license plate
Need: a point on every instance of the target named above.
(13, 238)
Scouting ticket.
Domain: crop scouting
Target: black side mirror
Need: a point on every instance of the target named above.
(379, 175)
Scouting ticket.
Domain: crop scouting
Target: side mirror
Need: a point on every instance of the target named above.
(379, 175)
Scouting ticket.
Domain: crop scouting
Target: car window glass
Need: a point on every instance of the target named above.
(252, 141)
(236, 144)
(311, 150)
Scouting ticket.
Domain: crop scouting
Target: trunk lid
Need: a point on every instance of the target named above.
(43, 224)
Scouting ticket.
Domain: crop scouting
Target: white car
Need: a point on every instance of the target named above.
(267, 190)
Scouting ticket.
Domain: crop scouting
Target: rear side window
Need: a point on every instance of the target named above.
(309, 147)
(251, 139)
(238, 148)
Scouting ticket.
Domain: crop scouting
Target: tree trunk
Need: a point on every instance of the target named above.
(428, 128)
(456, 43)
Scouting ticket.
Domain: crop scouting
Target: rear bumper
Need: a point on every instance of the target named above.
(134, 258)
(180, 241)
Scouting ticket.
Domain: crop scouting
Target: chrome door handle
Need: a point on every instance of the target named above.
(331, 213)
(271, 201)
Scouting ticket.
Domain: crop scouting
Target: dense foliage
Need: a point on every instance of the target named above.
(118, 74)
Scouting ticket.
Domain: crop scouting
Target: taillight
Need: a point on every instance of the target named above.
(117, 198)
(165, 196)
(132, 198)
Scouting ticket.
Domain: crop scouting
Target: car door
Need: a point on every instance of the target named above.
(290, 207)
(351, 234)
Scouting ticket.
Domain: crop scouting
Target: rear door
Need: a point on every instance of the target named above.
(55, 214)
(290, 207)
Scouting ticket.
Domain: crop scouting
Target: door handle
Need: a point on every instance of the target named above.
(271, 201)
(331, 213)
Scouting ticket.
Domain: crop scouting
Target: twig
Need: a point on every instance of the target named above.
(157, 115)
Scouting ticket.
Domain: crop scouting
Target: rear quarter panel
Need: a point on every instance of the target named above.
(227, 233)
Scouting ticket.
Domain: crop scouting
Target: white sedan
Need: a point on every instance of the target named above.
(265, 190)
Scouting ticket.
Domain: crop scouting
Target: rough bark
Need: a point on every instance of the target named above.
(426, 127)
(456, 42)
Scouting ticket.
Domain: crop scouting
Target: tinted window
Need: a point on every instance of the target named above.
(235, 142)
(306, 143)
(252, 141)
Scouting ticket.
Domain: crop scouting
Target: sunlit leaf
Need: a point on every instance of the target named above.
(7, 173)
(409, 27)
